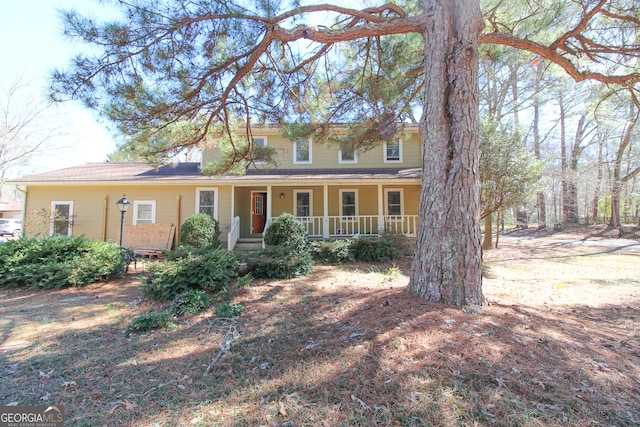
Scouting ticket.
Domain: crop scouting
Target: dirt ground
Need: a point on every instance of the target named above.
(557, 343)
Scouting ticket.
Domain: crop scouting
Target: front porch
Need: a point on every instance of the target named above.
(328, 227)
(335, 227)
(326, 210)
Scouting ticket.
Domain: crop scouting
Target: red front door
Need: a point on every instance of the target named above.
(258, 212)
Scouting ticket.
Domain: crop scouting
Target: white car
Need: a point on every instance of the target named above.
(10, 227)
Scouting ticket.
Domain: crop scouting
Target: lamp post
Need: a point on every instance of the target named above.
(123, 206)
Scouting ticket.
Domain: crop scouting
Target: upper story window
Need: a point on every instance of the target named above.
(302, 151)
(347, 155)
(393, 151)
(144, 212)
(61, 218)
(207, 201)
(259, 142)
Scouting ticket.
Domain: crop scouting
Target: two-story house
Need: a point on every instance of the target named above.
(334, 192)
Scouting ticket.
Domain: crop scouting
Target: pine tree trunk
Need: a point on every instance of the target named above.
(447, 263)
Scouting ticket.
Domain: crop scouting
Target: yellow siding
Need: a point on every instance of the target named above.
(92, 204)
(287, 205)
(326, 156)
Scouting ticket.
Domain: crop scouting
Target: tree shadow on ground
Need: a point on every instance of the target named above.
(351, 355)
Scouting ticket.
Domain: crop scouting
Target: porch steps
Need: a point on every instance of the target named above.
(248, 244)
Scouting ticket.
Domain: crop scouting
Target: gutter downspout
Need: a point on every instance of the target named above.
(24, 208)
(105, 208)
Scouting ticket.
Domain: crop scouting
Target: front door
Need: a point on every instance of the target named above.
(258, 212)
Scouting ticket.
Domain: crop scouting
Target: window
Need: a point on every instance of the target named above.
(259, 204)
(61, 218)
(348, 203)
(302, 151)
(144, 212)
(393, 151)
(259, 142)
(394, 202)
(303, 203)
(347, 155)
(207, 201)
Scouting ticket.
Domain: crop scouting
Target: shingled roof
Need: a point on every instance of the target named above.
(190, 172)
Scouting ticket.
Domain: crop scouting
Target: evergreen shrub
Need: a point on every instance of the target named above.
(332, 252)
(199, 269)
(200, 231)
(193, 301)
(149, 321)
(373, 250)
(278, 262)
(58, 261)
(286, 231)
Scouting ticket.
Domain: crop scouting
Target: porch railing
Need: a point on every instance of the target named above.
(342, 226)
(266, 225)
(234, 233)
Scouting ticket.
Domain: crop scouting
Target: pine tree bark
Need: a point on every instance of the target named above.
(447, 263)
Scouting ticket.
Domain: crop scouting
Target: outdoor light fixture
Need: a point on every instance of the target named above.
(282, 195)
(123, 205)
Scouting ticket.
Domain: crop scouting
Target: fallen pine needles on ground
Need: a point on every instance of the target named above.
(556, 344)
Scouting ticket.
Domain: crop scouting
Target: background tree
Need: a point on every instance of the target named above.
(213, 62)
(25, 130)
(572, 102)
(620, 177)
(508, 173)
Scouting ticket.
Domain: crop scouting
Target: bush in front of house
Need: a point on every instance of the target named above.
(193, 301)
(58, 261)
(286, 231)
(373, 249)
(278, 262)
(208, 270)
(200, 231)
(332, 252)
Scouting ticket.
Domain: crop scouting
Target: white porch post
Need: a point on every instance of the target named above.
(325, 218)
(380, 209)
(233, 202)
(269, 203)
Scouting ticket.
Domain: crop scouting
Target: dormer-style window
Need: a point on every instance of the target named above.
(393, 151)
(302, 151)
(347, 155)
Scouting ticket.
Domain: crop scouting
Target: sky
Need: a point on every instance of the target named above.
(31, 46)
